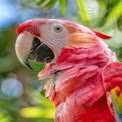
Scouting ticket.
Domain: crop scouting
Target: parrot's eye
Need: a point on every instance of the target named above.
(57, 28)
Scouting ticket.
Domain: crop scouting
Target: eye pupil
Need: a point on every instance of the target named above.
(57, 28)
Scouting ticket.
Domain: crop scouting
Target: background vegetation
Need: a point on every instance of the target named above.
(21, 99)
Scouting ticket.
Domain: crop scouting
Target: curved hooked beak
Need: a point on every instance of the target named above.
(30, 47)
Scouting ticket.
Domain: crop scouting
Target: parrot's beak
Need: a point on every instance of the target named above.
(30, 47)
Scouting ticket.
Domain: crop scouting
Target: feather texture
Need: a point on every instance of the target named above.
(112, 80)
(86, 82)
(78, 91)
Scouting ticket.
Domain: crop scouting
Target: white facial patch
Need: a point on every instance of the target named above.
(55, 34)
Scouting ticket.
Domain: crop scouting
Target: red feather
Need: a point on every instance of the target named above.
(103, 36)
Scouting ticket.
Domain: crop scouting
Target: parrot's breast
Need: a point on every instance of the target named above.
(78, 88)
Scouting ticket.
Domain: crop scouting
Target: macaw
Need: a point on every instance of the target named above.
(85, 77)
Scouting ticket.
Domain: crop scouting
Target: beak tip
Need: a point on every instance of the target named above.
(26, 63)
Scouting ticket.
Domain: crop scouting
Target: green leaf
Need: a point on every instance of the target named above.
(50, 4)
(102, 3)
(40, 2)
(4, 117)
(119, 53)
(39, 98)
(37, 112)
(38, 120)
(8, 63)
(83, 12)
(107, 3)
(63, 7)
(119, 23)
(114, 14)
(3, 43)
(36, 66)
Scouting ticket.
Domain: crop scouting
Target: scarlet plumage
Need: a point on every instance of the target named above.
(79, 91)
(85, 83)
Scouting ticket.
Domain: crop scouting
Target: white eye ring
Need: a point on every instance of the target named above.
(58, 28)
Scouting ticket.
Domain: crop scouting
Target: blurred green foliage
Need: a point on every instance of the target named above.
(50, 3)
(32, 106)
(112, 11)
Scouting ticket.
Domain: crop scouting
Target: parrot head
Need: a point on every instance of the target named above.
(42, 40)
